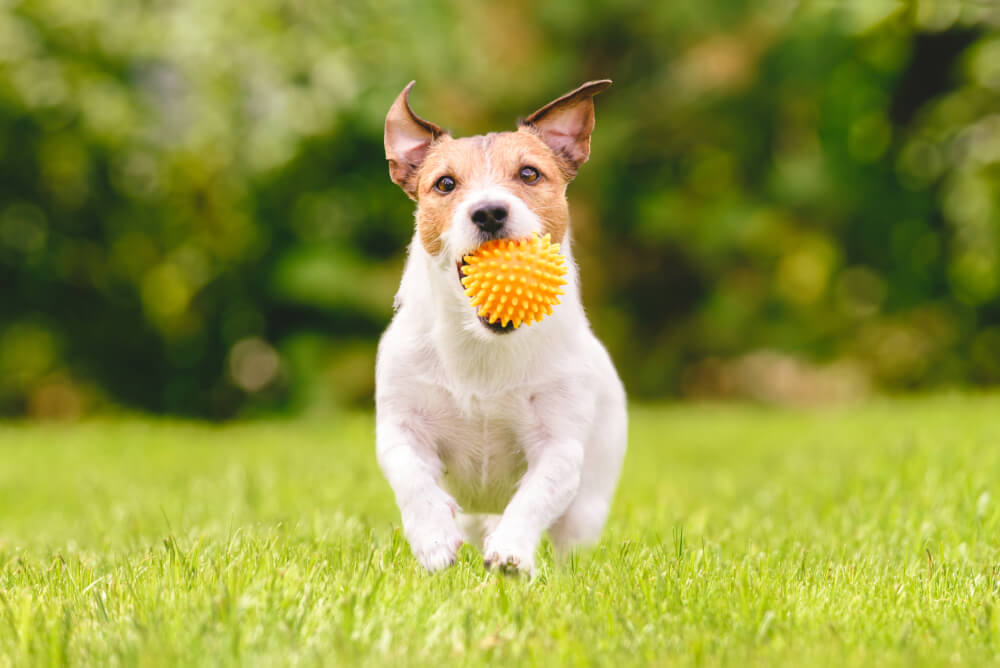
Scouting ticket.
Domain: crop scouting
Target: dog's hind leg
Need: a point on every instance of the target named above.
(583, 521)
(475, 527)
(580, 525)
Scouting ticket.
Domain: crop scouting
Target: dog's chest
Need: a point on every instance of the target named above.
(483, 457)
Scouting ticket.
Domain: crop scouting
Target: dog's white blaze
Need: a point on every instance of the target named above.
(463, 236)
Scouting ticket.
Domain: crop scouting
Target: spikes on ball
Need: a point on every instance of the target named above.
(515, 281)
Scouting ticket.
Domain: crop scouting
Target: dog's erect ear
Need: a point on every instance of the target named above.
(566, 124)
(407, 138)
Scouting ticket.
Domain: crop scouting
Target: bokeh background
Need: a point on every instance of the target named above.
(785, 201)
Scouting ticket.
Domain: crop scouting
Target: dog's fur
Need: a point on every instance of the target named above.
(506, 433)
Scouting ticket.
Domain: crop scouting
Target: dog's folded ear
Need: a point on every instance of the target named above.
(407, 139)
(566, 124)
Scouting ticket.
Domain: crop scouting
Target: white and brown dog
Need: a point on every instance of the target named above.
(488, 433)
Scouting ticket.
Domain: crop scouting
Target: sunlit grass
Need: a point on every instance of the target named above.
(739, 535)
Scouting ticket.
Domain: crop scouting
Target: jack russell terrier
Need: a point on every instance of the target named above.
(491, 433)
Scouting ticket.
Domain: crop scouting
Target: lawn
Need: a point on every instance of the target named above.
(740, 535)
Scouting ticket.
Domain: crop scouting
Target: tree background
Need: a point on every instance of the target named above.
(785, 200)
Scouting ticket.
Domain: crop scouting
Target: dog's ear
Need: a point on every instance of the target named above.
(407, 139)
(565, 124)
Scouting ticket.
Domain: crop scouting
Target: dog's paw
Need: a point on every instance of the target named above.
(436, 549)
(431, 529)
(507, 556)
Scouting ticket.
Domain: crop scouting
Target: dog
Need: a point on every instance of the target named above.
(488, 433)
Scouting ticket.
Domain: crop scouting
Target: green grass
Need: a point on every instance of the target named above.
(868, 535)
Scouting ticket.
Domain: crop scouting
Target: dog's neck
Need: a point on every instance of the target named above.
(473, 358)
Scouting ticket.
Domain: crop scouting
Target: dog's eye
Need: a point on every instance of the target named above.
(530, 175)
(444, 185)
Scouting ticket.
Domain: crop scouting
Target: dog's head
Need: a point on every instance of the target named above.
(500, 185)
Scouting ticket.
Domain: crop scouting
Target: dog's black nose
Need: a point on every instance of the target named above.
(490, 216)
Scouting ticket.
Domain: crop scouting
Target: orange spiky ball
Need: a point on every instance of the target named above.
(515, 281)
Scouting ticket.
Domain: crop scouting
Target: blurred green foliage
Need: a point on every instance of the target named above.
(196, 215)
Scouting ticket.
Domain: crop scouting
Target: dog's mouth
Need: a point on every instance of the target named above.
(494, 326)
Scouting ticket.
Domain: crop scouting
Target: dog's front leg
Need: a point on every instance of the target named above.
(413, 468)
(548, 487)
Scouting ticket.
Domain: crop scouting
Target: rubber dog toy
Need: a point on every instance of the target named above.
(515, 281)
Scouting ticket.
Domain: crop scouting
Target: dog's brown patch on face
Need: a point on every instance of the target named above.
(547, 196)
(491, 160)
(456, 158)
